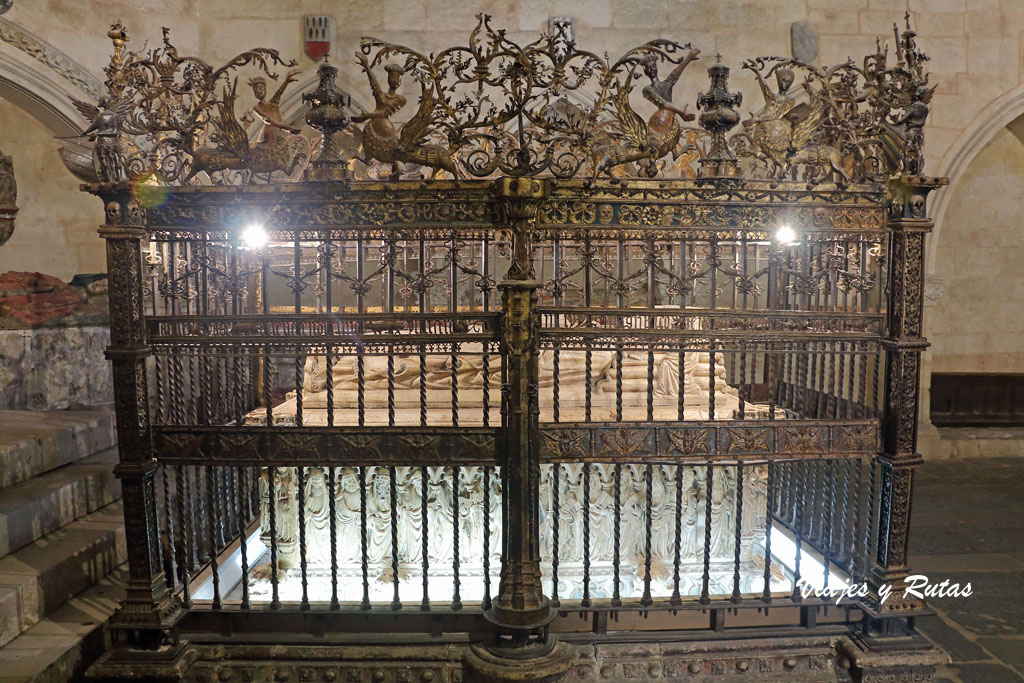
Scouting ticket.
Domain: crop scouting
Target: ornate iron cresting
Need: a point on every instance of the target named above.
(578, 372)
(499, 108)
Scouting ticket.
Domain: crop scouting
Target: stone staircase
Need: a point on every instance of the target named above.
(61, 541)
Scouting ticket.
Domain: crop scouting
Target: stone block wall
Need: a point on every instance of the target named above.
(976, 51)
(54, 368)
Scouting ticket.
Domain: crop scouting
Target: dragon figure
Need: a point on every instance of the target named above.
(233, 151)
(648, 141)
(380, 139)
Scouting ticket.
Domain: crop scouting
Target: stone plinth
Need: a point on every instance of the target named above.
(52, 339)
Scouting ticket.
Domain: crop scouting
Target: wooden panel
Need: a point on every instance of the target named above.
(977, 400)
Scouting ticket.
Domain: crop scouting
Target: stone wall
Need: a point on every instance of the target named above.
(976, 326)
(975, 49)
(55, 229)
(54, 368)
(975, 55)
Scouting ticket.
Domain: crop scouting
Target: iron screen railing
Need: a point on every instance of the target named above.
(331, 396)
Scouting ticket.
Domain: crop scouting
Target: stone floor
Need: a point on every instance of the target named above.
(968, 525)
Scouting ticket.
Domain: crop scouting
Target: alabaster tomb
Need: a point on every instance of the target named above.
(587, 549)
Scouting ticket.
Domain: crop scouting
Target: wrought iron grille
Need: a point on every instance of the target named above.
(517, 405)
(338, 394)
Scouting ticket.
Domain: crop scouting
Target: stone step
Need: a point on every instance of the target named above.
(61, 647)
(42, 576)
(32, 509)
(34, 442)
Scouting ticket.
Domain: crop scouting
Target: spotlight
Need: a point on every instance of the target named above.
(254, 236)
(785, 235)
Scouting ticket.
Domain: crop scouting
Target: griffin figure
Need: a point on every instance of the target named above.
(380, 139)
(648, 141)
(233, 151)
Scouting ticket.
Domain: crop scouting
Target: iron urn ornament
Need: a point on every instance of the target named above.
(718, 117)
(328, 114)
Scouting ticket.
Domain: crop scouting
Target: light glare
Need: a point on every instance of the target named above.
(255, 237)
(785, 235)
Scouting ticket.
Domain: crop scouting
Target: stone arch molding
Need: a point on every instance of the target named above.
(979, 133)
(43, 81)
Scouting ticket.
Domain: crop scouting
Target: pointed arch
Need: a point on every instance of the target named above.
(979, 133)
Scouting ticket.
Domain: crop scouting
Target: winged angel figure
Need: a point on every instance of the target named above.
(644, 141)
(380, 139)
(105, 130)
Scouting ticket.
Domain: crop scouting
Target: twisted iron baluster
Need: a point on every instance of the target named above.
(487, 387)
(677, 599)
(168, 527)
(396, 603)
(158, 363)
(647, 600)
(856, 520)
(736, 596)
(586, 535)
(425, 492)
(332, 506)
(391, 386)
(766, 595)
(211, 489)
(705, 596)
(240, 491)
(423, 386)
(798, 527)
(711, 383)
(456, 599)
(862, 386)
(681, 393)
(487, 536)
(455, 388)
(650, 385)
(847, 472)
(300, 471)
(329, 362)
(298, 388)
(618, 384)
(182, 546)
(275, 602)
(870, 513)
(616, 532)
(365, 604)
(556, 513)
(588, 384)
(361, 387)
(554, 386)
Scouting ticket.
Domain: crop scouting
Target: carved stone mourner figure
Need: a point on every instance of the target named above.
(473, 517)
